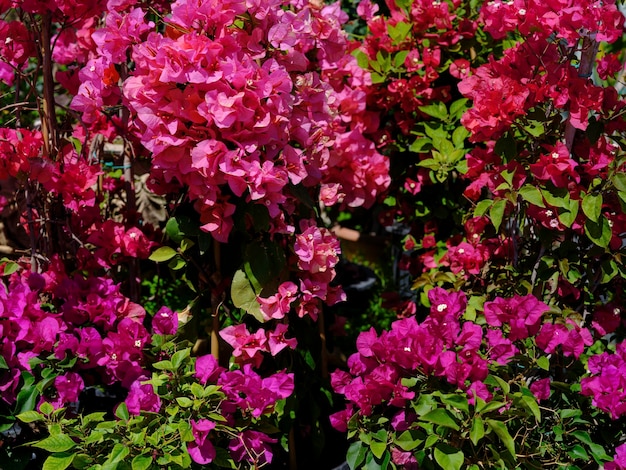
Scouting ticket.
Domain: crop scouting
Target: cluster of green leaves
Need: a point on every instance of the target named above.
(103, 441)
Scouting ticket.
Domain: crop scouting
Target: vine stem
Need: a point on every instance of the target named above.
(215, 327)
(587, 59)
(48, 123)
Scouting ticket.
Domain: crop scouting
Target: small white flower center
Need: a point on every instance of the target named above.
(441, 307)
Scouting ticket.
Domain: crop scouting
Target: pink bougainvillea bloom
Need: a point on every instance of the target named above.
(277, 341)
(478, 390)
(69, 387)
(141, 397)
(252, 443)
(207, 369)
(541, 388)
(619, 459)
(201, 450)
(165, 322)
(366, 9)
(278, 305)
(339, 420)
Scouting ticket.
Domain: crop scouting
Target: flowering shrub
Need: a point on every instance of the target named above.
(205, 143)
(505, 368)
(477, 383)
(197, 140)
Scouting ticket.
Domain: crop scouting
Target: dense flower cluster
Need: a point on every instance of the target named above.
(85, 322)
(444, 345)
(607, 384)
(246, 393)
(235, 107)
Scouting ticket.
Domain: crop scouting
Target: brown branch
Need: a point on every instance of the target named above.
(48, 122)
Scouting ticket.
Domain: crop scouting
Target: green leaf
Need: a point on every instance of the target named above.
(26, 399)
(578, 452)
(482, 207)
(448, 457)
(122, 412)
(568, 216)
(118, 453)
(532, 195)
(371, 463)
(583, 436)
(418, 145)
(503, 434)
(376, 77)
(407, 441)
(263, 265)
(197, 390)
(459, 135)
(173, 231)
(458, 108)
(543, 362)
(441, 417)
(356, 455)
(164, 365)
(165, 253)
(141, 462)
(244, 297)
(592, 206)
(10, 267)
(598, 453)
(399, 32)
(556, 197)
(400, 58)
(185, 244)
(177, 263)
(361, 58)
(184, 402)
(56, 443)
(619, 181)
(599, 232)
(30, 416)
(437, 110)
(506, 146)
(477, 431)
(46, 408)
(531, 404)
(378, 448)
(496, 212)
(179, 357)
(455, 401)
(59, 461)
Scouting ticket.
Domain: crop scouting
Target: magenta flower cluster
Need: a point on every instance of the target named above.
(607, 383)
(246, 393)
(70, 317)
(444, 345)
